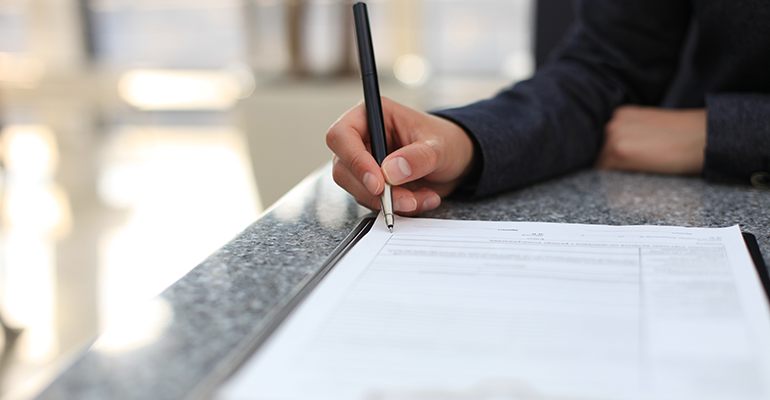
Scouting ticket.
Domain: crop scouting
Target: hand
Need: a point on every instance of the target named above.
(429, 158)
(648, 139)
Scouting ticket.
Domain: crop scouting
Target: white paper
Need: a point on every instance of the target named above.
(470, 310)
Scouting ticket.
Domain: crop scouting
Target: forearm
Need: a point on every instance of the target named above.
(532, 132)
(554, 122)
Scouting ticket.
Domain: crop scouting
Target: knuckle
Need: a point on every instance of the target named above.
(339, 174)
(362, 203)
(335, 163)
(357, 161)
(374, 202)
(430, 152)
(620, 151)
(622, 113)
(333, 136)
(370, 203)
(624, 152)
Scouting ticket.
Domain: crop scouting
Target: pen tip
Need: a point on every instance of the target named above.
(389, 221)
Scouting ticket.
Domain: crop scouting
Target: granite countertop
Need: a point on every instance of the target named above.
(198, 329)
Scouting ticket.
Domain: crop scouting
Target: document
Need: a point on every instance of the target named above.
(472, 310)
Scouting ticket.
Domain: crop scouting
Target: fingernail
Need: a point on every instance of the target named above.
(405, 204)
(431, 203)
(396, 170)
(371, 183)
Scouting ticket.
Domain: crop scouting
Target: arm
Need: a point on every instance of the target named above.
(621, 51)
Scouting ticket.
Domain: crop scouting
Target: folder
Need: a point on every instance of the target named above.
(527, 241)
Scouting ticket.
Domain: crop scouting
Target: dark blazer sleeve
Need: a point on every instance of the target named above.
(619, 51)
(738, 140)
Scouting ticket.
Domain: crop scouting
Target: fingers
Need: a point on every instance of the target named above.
(411, 203)
(629, 146)
(411, 162)
(405, 202)
(435, 150)
(435, 155)
(426, 200)
(355, 168)
(363, 195)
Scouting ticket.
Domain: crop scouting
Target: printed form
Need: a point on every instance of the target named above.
(471, 310)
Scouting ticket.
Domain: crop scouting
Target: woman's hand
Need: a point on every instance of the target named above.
(429, 157)
(648, 139)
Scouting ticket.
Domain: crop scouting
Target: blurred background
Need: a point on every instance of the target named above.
(138, 136)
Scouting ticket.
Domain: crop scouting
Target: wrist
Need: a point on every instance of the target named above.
(469, 159)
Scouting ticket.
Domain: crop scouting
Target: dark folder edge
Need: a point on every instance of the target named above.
(759, 262)
(265, 328)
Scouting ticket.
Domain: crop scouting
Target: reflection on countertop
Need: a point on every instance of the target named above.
(84, 243)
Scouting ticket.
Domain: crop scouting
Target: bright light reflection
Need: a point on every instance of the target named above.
(35, 211)
(331, 213)
(43, 209)
(184, 90)
(188, 192)
(136, 327)
(412, 70)
(29, 150)
(29, 294)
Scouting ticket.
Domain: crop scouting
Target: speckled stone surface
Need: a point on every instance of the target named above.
(230, 296)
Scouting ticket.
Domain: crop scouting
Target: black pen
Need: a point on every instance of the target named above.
(372, 99)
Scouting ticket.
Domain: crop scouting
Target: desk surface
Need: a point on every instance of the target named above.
(213, 312)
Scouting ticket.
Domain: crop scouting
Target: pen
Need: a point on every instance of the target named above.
(372, 99)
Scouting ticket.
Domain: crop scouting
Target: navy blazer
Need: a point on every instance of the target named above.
(632, 52)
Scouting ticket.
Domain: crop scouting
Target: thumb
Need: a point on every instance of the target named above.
(411, 162)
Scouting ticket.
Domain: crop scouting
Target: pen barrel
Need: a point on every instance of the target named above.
(364, 40)
(374, 118)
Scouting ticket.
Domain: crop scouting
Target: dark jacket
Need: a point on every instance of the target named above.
(633, 52)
